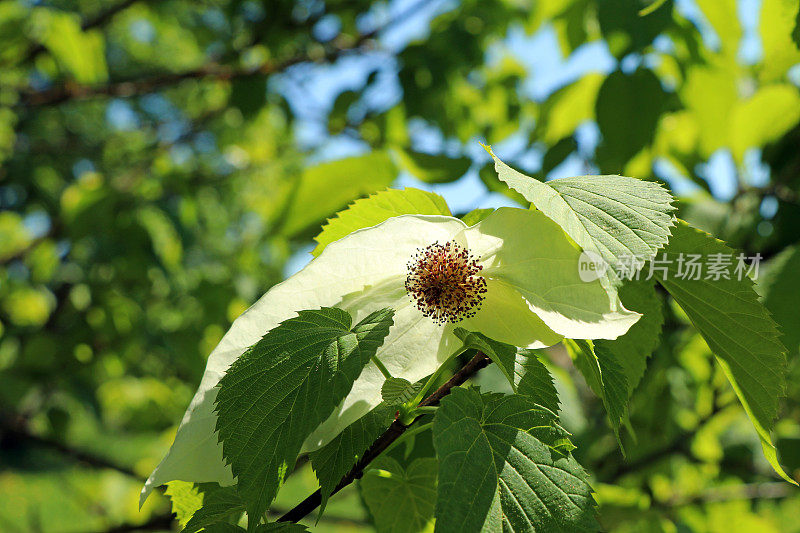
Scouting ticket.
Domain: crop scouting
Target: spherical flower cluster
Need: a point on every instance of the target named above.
(444, 282)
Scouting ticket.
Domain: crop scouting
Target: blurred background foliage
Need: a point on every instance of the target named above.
(163, 163)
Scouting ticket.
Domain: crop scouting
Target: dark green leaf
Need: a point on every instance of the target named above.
(432, 168)
(219, 503)
(335, 459)
(779, 287)
(401, 500)
(628, 108)
(504, 355)
(626, 30)
(396, 391)
(556, 154)
(283, 387)
(534, 380)
(504, 465)
(736, 326)
(632, 349)
(605, 376)
(249, 94)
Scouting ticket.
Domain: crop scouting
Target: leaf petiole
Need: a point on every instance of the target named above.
(435, 376)
(381, 367)
(410, 432)
(424, 410)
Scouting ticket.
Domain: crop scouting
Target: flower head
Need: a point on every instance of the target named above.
(513, 277)
(444, 281)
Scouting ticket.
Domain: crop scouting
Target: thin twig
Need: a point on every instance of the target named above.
(16, 433)
(395, 430)
(771, 490)
(143, 85)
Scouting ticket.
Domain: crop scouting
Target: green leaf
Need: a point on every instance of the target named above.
(375, 209)
(432, 168)
(763, 118)
(777, 26)
(723, 17)
(475, 216)
(504, 355)
(400, 500)
(567, 108)
(710, 93)
(628, 108)
(534, 380)
(81, 53)
(605, 376)
(625, 31)
(325, 188)
(614, 216)
(249, 94)
(283, 387)
(489, 178)
(14, 236)
(335, 459)
(523, 370)
(224, 527)
(219, 504)
(164, 237)
(396, 391)
(737, 328)
(186, 498)
(504, 464)
(779, 287)
(557, 153)
(632, 349)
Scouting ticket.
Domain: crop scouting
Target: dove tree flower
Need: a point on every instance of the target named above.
(513, 277)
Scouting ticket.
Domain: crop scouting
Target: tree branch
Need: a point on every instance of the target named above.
(394, 431)
(138, 86)
(11, 433)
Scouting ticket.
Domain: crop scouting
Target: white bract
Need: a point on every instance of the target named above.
(533, 297)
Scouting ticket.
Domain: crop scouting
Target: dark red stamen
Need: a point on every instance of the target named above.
(443, 281)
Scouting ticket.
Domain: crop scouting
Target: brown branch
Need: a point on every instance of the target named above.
(12, 433)
(161, 522)
(395, 430)
(770, 490)
(138, 86)
(98, 20)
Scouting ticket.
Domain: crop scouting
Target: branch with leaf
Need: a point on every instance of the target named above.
(294, 375)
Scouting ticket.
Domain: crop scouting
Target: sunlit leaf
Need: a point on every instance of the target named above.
(375, 209)
(325, 188)
(614, 216)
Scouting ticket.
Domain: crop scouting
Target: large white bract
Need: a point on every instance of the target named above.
(532, 297)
